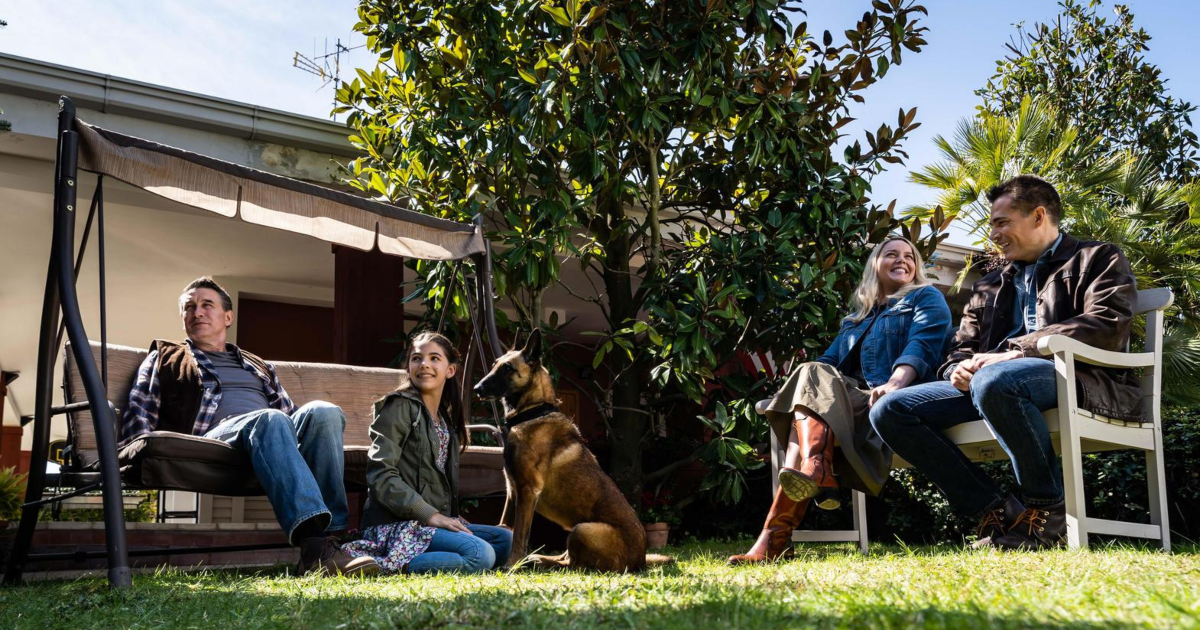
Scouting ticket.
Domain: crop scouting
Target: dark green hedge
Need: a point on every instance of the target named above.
(912, 509)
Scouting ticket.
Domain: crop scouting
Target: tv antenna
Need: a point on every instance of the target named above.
(327, 66)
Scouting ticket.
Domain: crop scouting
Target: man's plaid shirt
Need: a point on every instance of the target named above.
(141, 415)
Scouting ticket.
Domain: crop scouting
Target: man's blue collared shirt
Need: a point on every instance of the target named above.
(1024, 315)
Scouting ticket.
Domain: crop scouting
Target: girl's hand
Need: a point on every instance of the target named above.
(441, 521)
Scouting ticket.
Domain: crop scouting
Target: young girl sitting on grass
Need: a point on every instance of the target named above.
(410, 521)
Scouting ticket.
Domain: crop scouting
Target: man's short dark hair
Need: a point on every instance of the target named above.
(205, 282)
(1028, 192)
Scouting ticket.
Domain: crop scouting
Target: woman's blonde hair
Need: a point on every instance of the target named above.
(867, 294)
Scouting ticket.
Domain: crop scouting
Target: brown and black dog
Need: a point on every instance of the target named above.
(549, 469)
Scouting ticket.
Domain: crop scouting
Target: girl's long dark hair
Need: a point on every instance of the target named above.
(451, 403)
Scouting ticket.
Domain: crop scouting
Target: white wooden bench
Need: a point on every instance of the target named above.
(1082, 432)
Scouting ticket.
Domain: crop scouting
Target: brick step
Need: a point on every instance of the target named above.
(67, 537)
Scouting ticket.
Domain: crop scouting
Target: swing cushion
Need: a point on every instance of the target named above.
(164, 460)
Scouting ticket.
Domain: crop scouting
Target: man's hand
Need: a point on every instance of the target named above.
(961, 377)
(441, 521)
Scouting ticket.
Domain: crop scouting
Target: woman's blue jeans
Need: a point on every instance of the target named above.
(298, 460)
(484, 548)
(1010, 396)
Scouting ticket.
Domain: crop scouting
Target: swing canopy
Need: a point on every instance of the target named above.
(271, 200)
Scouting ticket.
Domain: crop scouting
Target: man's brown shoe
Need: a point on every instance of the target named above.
(323, 555)
(1036, 528)
(996, 521)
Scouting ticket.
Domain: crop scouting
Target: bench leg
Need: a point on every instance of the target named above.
(859, 503)
(1157, 480)
(1072, 468)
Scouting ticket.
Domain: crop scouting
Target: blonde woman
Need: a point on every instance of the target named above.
(895, 337)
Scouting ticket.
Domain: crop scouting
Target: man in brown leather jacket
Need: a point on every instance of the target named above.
(1053, 284)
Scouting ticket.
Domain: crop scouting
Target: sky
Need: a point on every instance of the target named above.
(243, 50)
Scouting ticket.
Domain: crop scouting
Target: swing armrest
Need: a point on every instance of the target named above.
(487, 428)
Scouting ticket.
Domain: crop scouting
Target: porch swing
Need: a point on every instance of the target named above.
(229, 190)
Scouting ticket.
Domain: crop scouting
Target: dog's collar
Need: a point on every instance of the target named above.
(543, 409)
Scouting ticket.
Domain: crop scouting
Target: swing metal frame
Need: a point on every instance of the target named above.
(61, 312)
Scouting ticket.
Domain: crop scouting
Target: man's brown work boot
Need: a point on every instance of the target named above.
(996, 521)
(323, 555)
(1039, 527)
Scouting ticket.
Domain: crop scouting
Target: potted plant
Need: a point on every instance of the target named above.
(658, 514)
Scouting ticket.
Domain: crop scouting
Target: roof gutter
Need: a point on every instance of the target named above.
(114, 95)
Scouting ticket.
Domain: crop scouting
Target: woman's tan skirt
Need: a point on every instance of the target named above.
(817, 389)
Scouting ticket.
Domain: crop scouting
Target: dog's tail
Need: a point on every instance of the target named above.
(657, 560)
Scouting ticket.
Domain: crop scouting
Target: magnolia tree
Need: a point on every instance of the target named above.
(685, 155)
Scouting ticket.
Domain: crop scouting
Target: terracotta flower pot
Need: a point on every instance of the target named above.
(656, 534)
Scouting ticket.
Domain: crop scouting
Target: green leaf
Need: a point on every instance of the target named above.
(558, 14)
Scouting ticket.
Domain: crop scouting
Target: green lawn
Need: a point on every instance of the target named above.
(826, 587)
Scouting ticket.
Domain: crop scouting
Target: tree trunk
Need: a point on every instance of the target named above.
(629, 425)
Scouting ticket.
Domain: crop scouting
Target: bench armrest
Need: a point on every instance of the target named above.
(1057, 344)
(487, 428)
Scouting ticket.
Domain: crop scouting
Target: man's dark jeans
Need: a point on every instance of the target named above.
(1010, 396)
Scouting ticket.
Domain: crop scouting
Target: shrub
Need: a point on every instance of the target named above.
(12, 493)
(913, 510)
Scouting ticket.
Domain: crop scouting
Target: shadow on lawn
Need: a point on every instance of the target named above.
(405, 602)
(527, 610)
(819, 551)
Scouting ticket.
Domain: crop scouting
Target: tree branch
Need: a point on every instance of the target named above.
(665, 471)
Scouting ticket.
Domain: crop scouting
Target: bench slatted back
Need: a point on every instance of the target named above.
(1152, 303)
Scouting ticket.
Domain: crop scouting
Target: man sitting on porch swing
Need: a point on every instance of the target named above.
(205, 386)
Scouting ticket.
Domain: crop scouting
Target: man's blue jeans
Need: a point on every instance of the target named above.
(454, 552)
(1010, 396)
(298, 460)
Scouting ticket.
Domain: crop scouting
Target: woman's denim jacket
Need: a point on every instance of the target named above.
(912, 331)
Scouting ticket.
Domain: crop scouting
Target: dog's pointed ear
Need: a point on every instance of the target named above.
(532, 352)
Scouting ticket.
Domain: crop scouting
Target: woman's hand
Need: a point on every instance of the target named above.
(901, 377)
(879, 392)
(442, 521)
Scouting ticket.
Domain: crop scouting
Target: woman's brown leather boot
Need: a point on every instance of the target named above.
(816, 465)
(775, 541)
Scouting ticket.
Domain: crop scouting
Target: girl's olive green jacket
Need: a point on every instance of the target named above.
(403, 479)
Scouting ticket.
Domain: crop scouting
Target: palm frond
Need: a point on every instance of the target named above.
(1181, 364)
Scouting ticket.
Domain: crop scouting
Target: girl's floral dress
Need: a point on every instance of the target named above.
(394, 545)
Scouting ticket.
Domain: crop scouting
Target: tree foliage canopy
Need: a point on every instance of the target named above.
(686, 156)
(1093, 71)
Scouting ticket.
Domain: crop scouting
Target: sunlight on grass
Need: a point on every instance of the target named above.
(824, 587)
